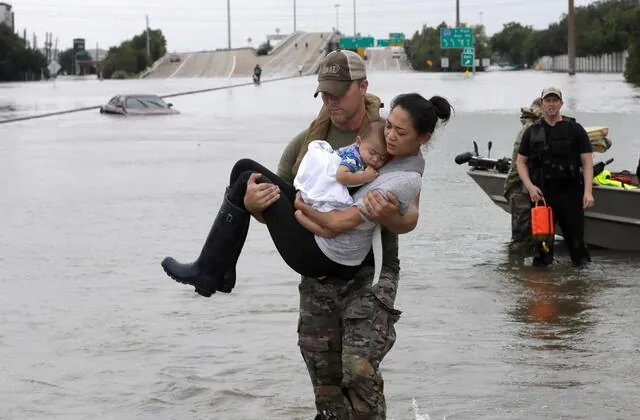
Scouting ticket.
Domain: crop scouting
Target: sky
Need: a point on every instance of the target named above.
(196, 25)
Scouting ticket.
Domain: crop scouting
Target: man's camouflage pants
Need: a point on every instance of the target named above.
(520, 209)
(344, 332)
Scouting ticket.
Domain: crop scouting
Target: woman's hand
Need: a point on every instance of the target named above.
(380, 210)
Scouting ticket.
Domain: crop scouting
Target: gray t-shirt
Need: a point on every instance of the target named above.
(401, 177)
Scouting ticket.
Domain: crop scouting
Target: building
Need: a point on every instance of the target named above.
(6, 15)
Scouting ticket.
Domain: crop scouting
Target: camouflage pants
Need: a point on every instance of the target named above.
(344, 332)
(520, 209)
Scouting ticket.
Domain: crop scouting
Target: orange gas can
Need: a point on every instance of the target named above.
(542, 225)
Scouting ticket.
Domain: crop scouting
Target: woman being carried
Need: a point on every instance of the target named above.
(411, 123)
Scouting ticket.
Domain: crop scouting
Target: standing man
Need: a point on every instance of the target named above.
(515, 192)
(346, 326)
(552, 151)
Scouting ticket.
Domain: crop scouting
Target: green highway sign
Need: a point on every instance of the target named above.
(352, 43)
(390, 42)
(467, 59)
(396, 35)
(456, 37)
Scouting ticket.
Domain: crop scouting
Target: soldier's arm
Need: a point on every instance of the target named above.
(289, 156)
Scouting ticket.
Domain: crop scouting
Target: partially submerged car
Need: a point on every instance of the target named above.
(137, 105)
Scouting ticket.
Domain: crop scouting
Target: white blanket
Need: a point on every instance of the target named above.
(316, 179)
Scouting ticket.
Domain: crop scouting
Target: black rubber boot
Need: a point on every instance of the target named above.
(228, 281)
(207, 272)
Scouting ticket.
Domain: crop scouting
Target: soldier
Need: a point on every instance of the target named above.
(339, 343)
(552, 152)
(515, 193)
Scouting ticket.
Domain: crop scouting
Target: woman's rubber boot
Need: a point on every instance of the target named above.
(207, 272)
(228, 281)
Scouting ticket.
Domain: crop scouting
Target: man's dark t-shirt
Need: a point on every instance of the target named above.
(581, 138)
(580, 142)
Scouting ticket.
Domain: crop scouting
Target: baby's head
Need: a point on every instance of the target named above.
(371, 144)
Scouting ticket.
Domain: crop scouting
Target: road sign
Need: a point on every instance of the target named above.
(54, 68)
(456, 37)
(469, 51)
(394, 42)
(467, 60)
(352, 43)
(396, 35)
(444, 62)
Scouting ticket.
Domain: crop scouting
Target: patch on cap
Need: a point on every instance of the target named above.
(551, 91)
(338, 70)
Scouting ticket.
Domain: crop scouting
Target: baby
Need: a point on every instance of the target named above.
(325, 174)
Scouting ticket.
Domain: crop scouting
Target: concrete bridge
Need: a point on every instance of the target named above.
(300, 48)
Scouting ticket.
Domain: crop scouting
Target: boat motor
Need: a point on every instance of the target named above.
(483, 163)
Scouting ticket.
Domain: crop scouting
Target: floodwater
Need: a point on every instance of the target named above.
(91, 327)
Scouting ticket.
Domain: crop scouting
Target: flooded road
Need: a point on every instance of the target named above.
(91, 327)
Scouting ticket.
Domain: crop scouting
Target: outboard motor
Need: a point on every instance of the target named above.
(483, 163)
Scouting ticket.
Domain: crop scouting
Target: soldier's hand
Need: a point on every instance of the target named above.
(535, 194)
(259, 196)
(587, 200)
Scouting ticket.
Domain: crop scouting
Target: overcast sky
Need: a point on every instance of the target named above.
(193, 25)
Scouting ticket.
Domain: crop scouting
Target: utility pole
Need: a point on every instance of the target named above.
(355, 33)
(95, 59)
(571, 48)
(294, 15)
(457, 13)
(229, 24)
(148, 41)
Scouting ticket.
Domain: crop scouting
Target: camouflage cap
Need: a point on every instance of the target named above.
(338, 70)
(551, 91)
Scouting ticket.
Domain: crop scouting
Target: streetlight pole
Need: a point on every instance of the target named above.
(355, 33)
(294, 15)
(229, 24)
(337, 6)
(571, 48)
(457, 13)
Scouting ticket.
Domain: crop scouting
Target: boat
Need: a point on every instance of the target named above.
(612, 223)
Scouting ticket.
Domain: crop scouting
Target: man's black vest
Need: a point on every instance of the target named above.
(556, 158)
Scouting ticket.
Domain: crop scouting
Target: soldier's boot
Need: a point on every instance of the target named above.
(208, 271)
(229, 278)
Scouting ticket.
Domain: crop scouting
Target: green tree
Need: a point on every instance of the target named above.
(65, 59)
(17, 62)
(130, 57)
(509, 44)
(264, 48)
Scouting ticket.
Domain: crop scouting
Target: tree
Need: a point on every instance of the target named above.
(130, 57)
(65, 59)
(509, 44)
(17, 62)
(264, 48)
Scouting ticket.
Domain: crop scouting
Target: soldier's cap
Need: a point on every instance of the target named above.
(551, 91)
(338, 70)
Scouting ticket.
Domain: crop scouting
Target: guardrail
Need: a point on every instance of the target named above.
(171, 95)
